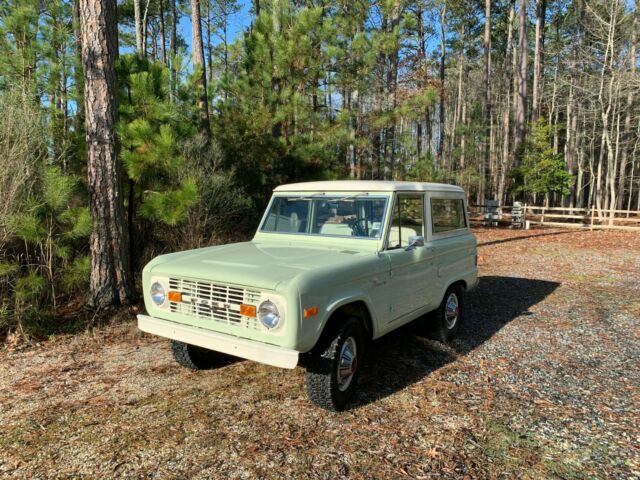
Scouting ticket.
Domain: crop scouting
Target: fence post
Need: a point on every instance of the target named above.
(593, 212)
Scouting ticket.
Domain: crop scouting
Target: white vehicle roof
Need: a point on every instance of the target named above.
(367, 186)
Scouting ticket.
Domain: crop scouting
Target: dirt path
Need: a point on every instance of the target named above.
(543, 383)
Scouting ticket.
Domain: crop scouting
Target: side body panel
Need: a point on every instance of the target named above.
(421, 276)
(412, 274)
(454, 251)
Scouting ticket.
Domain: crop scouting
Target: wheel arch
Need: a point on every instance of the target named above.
(461, 282)
(348, 308)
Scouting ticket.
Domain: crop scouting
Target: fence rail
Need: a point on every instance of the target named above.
(568, 217)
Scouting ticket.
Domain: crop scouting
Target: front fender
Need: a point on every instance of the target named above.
(312, 328)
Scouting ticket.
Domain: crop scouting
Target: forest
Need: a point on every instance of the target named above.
(138, 127)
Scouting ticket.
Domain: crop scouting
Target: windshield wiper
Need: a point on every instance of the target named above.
(318, 195)
(350, 197)
(301, 199)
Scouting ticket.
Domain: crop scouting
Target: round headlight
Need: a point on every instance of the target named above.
(158, 294)
(268, 314)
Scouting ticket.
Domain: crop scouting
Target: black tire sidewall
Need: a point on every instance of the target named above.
(352, 329)
(441, 332)
(323, 361)
(195, 358)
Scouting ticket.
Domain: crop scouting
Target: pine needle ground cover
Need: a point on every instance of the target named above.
(543, 383)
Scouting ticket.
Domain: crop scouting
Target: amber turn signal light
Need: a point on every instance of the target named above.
(175, 296)
(248, 310)
(310, 312)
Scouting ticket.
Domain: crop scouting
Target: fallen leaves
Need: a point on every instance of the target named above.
(542, 383)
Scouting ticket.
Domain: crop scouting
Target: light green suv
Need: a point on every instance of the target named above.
(332, 266)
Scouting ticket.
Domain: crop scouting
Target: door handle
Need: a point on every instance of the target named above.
(378, 281)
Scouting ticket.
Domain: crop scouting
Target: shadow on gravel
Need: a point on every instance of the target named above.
(524, 237)
(401, 358)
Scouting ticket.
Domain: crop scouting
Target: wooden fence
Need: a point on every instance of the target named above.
(581, 218)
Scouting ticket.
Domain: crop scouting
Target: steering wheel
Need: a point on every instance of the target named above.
(358, 227)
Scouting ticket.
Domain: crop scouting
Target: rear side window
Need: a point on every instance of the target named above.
(447, 214)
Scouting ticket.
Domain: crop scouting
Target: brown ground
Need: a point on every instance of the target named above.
(543, 383)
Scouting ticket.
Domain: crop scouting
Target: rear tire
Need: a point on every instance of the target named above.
(444, 323)
(333, 366)
(196, 358)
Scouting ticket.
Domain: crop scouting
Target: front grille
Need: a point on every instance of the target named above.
(213, 301)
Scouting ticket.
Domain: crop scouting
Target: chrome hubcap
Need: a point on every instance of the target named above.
(451, 310)
(347, 364)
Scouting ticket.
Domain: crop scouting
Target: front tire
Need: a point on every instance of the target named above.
(444, 323)
(333, 366)
(196, 358)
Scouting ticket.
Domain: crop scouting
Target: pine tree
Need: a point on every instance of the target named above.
(19, 27)
(149, 129)
(268, 127)
(542, 171)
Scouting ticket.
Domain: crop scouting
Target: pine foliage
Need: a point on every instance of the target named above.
(149, 130)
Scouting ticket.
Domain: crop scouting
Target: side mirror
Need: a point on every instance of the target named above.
(415, 241)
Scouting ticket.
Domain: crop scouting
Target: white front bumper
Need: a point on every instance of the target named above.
(220, 342)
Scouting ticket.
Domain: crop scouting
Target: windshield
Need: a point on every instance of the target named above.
(343, 216)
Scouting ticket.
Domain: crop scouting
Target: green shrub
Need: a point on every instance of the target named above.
(49, 234)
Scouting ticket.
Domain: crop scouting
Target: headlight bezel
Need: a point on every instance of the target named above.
(269, 314)
(152, 294)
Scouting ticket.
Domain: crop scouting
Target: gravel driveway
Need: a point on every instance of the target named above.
(544, 382)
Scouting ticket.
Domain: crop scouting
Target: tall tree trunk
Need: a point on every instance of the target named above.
(570, 147)
(420, 83)
(486, 161)
(173, 48)
(137, 13)
(521, 98)
(351, 148)
(571, 141)
(199, 65)
(443, 54)
(506, 113)
(457, 114)
(174, 30)
(78, 118)
(634, 160)
(606, 100)
(163, 36)
(392, 98)
(209, 44)
(627, 133)
(225, 45)
(145, 26)
(276, 77)
(463, 136)
(110, 276)
(541, 12)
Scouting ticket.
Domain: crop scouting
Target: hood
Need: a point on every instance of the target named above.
(251, 264)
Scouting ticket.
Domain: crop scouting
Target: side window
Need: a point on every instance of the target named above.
(447, 214)
(407, 220)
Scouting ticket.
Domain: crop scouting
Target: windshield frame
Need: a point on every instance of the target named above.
(329, 195)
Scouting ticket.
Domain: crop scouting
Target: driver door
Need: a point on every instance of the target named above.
(412, 268)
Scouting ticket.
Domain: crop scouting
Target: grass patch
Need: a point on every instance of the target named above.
(521, 453)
